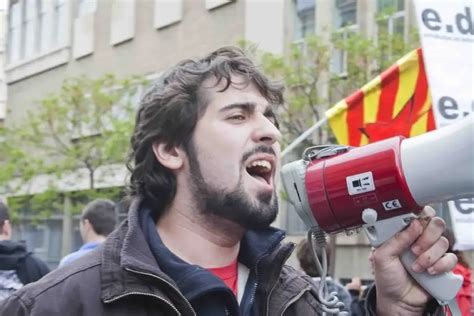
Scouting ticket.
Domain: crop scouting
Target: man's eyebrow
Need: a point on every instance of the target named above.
(246, 106)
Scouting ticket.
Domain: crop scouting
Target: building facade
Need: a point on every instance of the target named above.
(3, 87)
(50, 40)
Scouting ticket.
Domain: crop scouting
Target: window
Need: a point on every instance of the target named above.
(391, 16)
(122, 21)
(45, 25)
(14, 32)
(86, 7)
(345, 19)
(29, 23)
(59, 23)
(397, 5)
(83, 38)
(391, 27)
(345, 13)
(167, 12)
(42, 236)
(339, 58)
(36, 27)
(36, 239)
(305, 18)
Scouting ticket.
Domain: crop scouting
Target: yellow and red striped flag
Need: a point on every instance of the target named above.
(397, 102)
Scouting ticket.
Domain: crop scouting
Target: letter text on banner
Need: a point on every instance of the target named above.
(447, 38)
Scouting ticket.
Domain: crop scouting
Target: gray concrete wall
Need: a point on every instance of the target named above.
(199, 32)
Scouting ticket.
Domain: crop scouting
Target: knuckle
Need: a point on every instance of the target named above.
(425, 260)
(376, 257)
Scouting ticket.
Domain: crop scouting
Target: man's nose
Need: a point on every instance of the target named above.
(266, 131)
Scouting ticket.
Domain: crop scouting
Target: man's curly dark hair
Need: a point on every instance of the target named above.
(170, 109)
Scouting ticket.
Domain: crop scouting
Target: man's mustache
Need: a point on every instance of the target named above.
(257, 150)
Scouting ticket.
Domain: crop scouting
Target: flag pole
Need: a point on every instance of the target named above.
(303, 136)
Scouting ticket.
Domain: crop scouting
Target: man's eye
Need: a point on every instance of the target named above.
(237, 117)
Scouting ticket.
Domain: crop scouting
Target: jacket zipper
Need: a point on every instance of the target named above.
(254, 289)
(271, 291)
(294, 299)
(255, 284)
(145, 294)
(161, 298)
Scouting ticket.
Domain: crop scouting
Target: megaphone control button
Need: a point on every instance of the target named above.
(369, 216)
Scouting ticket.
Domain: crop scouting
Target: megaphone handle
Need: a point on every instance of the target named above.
(443, 287)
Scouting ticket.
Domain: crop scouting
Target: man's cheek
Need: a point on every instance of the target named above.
(222, 177)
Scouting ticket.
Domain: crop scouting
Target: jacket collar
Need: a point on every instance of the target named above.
(127, 260)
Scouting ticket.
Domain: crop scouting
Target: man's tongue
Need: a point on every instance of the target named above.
(258, 174)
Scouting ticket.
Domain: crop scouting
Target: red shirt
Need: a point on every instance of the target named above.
(228, 274)
(464, 296)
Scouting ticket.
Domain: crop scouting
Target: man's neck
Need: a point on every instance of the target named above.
(206, 241)
(94, 239)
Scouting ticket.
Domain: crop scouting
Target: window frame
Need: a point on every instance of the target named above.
(389, 22)
(44, 18)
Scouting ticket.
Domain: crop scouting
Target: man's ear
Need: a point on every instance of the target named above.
(6, 233)
(87, 226)
(171, 157)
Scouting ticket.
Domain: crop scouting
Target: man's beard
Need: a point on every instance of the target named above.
(234, 205)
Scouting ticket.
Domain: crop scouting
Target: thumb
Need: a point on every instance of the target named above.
(396, 245)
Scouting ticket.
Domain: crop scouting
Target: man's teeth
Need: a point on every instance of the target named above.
(261, 163)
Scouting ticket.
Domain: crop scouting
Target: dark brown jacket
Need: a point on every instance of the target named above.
(122, 278)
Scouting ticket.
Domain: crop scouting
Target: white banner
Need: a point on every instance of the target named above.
(462, 216)
(447, 38)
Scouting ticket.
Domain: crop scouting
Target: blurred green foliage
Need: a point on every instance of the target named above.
(86, 124)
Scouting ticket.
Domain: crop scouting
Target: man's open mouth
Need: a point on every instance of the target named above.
(261, 169)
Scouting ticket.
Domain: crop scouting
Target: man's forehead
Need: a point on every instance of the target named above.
(239, 91)
(221, 82)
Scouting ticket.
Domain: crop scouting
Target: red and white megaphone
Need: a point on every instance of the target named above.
(382, 186)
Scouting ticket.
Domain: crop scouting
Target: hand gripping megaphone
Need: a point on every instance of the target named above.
(382, 186)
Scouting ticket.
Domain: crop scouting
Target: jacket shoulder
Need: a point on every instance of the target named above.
(294, 294)
(60, 289)
(290, 274)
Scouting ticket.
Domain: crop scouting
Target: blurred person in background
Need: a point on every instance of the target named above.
(306, 259)
(98, 220)
(358, 293)
(464, 296)
(18, 267)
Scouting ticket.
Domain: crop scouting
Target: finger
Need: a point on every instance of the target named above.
(444, 264)
(428, 211)
(431, 256)
(396, 245)
(432, 232)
